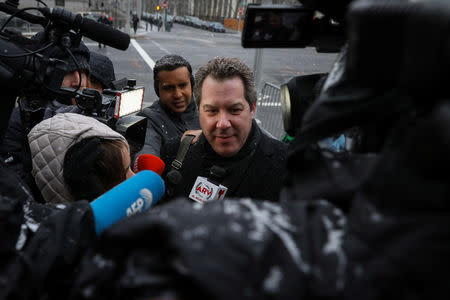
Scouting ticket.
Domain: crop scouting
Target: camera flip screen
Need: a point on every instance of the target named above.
(277, 26)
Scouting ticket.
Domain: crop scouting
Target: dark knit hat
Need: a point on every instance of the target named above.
(81, 54)
(102, 69)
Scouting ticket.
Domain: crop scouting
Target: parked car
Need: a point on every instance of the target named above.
(178, 19)
(205, 25)
(217, 27)
(196, 22)
(188, 20)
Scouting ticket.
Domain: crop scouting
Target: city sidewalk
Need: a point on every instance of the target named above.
(142, 30)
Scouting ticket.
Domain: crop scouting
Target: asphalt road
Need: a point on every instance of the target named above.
(198, 47)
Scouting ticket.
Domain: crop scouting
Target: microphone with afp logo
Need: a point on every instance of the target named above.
(209, 189)
(136, 194)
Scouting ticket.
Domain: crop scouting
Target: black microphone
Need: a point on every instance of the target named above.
(216, 174)
(173, 178)
(99, 32)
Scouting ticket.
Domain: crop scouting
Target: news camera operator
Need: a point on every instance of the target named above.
(17, 126)
(33, 107)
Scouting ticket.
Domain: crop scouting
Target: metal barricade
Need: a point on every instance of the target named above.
(268, 110)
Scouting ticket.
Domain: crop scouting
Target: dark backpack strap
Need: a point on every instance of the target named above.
(182, 151)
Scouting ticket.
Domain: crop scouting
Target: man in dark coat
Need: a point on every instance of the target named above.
(135, 21)
(174, 112)
(34, 107)
(103, 19)
(251, 164)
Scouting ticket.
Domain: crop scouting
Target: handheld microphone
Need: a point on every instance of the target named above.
(208, 190)
(149, 162)
(99, 32)
(216, 174)
(136, 194)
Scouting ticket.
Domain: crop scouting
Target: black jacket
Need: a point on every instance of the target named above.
(234, 249)
(256, 171)
(39, 241)
(15, 150)
(164, 125)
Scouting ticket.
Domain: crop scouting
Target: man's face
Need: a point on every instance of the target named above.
(71, 80)
(225, 116)
(175, 90)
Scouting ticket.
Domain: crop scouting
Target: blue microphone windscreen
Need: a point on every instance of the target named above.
(134, 195)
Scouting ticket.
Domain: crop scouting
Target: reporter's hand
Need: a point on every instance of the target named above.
(196, 133)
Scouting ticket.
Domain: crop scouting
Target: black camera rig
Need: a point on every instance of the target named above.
(29, 74)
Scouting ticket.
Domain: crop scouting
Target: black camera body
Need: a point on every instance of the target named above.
(26, 73)
(116, 108)
(295, 26)
(291, 26)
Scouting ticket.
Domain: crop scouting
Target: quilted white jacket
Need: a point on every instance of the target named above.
(49, 141)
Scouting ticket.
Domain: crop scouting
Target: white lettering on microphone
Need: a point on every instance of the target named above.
(206, 191)
(142, 203)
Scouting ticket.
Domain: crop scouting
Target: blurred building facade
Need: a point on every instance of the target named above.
(204, 9)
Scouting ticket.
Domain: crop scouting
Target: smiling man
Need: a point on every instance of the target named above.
(174, 112)
(232, 151)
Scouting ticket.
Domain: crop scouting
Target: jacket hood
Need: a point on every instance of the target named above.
(49, 142)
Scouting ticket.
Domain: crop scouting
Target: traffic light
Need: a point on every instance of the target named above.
(158, 8)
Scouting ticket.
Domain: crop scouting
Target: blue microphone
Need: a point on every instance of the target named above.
(136, 194)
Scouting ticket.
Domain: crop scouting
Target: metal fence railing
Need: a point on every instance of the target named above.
(268, 110)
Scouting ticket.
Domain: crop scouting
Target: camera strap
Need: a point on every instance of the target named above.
(182, 151)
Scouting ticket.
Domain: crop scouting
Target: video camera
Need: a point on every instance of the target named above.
(28, 73)
(295, 26)
(115, 108)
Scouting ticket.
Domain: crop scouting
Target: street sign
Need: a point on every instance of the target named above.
(165, 5)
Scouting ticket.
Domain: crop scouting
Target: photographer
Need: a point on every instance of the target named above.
(16, 128)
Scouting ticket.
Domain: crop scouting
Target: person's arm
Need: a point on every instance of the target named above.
(195, 132)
